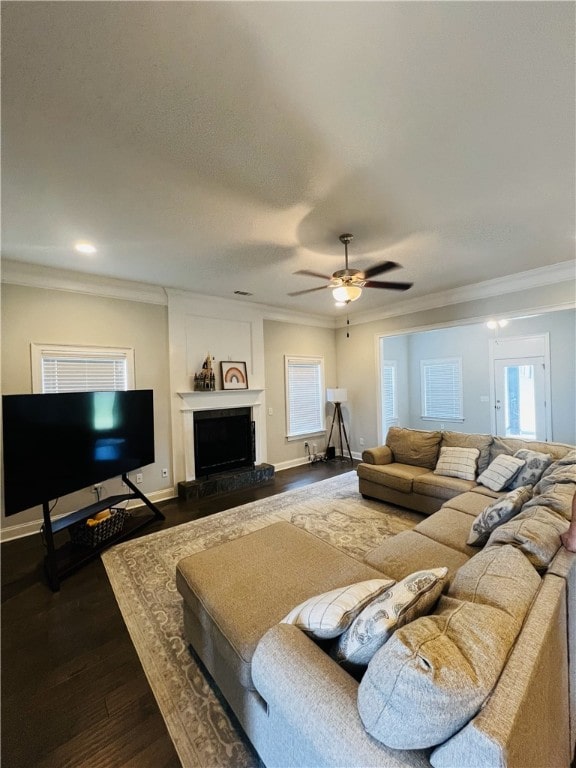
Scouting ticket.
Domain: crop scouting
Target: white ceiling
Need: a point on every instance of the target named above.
(221, 146)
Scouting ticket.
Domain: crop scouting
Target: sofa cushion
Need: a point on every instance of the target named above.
(434, 674)
(482, 490)
(535, 531)
(560, 471)
(219, 586)
(531, 472)
(400, 477)
(557, 498)
(498, 513)
(462, 440)
(509, 445)
(414, 446)
(457, 462)
(406, 552)
(449, 527)
(440, 487)
(471, 503)
(413, 596)
(327, 615)
(500, 472)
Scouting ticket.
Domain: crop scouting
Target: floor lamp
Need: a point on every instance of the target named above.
(338, 396)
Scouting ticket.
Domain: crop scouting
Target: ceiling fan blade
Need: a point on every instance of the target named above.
(313, 274)
(378, 269)
(308, 290)
(389, 286)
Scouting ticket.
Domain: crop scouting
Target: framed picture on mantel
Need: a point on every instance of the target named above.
(234, 375)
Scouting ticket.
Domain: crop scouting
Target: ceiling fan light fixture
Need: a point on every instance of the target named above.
(346, 293)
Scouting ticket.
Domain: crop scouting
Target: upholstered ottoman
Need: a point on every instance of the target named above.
(234, 592)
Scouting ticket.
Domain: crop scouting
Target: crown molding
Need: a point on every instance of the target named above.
(38, 276)
(565, 271)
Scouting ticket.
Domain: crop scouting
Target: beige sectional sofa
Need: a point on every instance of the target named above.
(482, 680)
(402, 471)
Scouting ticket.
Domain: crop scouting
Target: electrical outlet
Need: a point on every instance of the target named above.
(441, 426)
(97, 488)
(139, 477)
(361, 441)
(164, 473)
(314, 448)
(306, 446)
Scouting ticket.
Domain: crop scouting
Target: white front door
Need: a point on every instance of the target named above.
(520, 398)
(520, 391)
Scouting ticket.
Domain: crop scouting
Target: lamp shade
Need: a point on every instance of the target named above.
(347, 293)
(336, 395)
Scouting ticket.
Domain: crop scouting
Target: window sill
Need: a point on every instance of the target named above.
(306, 436)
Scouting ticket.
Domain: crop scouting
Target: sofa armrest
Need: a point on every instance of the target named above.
(380, 455)
(309, 694)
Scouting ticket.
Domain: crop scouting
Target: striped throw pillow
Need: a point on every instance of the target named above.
(331, 613)
(501, 472)
(457, 462)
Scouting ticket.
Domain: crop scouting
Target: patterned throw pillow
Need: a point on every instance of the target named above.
(501, 472)
(414, 596)
(457, 462)
(496, 514)
(329, 614)
(531, 472)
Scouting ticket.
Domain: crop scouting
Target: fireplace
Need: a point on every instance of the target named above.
(224, 439)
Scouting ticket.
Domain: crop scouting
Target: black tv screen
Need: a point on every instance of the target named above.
(60, 443)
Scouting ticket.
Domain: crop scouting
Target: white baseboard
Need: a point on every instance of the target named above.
(10, 532)
(289, 464)
(304, 460)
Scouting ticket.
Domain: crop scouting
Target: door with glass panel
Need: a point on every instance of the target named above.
(520, 398)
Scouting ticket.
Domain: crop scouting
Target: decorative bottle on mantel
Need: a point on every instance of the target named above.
(205, 380)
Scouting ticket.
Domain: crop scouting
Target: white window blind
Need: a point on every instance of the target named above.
(441, 383)
(304, 395)
(77, 369)
(389, 394)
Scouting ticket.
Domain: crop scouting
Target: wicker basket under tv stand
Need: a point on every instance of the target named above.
(63, 560)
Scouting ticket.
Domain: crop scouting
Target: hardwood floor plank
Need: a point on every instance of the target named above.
(72, 686)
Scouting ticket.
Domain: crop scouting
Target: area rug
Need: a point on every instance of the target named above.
(142, 574)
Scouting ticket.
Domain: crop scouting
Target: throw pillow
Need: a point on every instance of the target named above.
(497, 513)
(531, 472)
(413, 596)
(329, 614)
(500, 472)
(462, 440)
(457, 462)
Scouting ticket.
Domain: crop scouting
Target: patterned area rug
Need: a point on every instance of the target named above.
(142, 574)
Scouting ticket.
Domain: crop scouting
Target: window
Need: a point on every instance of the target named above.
(441, 384)
(304, 395)
(389, 394)
(58, 368)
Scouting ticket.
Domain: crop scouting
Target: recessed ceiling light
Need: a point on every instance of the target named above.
(83, 247)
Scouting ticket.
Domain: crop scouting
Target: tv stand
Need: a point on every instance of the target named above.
(61, 561)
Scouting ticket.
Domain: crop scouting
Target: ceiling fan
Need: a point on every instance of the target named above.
(347, 284)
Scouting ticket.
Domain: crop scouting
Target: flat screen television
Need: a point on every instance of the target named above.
(56, 444)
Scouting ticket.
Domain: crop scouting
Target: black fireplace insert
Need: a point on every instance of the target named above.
(224, 439)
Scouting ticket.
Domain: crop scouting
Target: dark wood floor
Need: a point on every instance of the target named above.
(73, 692)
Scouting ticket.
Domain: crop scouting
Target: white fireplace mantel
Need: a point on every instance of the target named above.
(215, 400)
